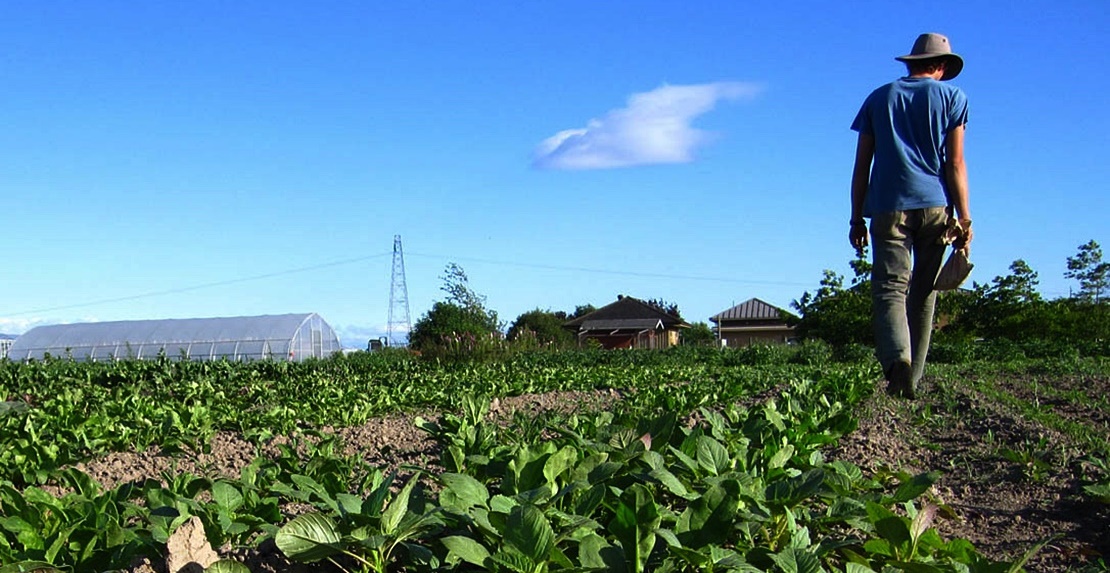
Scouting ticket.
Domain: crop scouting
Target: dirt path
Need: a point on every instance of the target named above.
(1011, 483)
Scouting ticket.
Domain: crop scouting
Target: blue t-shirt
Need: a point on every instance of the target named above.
(909, 119)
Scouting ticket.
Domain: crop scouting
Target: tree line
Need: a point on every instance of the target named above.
(1008, 308)
(838, 312)
(463, 323)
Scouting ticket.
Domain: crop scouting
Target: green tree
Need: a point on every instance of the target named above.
(699, 334)
(463, 314)
(950, 309)
(457, 286)
(1018, 287)
(1009, 307)
(1090, 270)
(1091, 327)
(835, 313)
(546, 326)
(665, 306)
(582, 310)
(1078, 324)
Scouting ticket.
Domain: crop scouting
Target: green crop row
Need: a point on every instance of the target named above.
(57, 412)
(740, 488)
(690, 472)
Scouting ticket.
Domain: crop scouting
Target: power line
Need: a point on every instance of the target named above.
(203, 286)
(419, 255)
(608, 271)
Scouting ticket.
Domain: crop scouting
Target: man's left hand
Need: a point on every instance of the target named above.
(858, 237)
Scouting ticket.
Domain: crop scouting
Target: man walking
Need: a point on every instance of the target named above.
(909, 175)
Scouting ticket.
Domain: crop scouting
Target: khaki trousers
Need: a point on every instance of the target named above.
(907, 256)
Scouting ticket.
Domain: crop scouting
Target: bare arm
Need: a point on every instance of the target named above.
(861, 178)
(955, 173)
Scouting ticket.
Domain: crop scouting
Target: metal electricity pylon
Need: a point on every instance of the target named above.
(397, 331)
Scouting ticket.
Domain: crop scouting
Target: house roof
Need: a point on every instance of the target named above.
(625, 310)
(751, 309)
(625, 324)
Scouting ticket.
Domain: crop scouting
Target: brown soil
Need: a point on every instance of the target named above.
(1004, 507)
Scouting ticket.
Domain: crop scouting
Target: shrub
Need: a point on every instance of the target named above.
(952, 351)
(812, 352)
(854, 353)
(999, 350)
(1093, 347)
(466, 347)
(1057, 349)
(758, 355)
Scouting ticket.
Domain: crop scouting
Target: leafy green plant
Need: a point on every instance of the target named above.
(238, 512)
(88, 528)
(1032, 459)
(525, 533)
(855, 353)
(1099, 479)
(227, 566)
(469, 438)
(30, 567)
(901, 538)
(364, 530)
(812, 352)
(743, 486)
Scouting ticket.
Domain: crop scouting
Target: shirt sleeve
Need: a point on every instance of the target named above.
(862, 123)
(957, 110)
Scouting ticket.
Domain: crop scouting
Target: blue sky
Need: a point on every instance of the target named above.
(192, 159)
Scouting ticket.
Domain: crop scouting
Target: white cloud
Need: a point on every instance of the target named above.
(653, 128)
(11, 325)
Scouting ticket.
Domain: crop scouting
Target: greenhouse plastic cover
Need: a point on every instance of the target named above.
(280, 337)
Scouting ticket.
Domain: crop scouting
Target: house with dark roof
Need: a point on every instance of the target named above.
(753, 322)
(628, 323)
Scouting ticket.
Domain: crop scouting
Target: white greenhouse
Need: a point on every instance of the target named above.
(292, 337)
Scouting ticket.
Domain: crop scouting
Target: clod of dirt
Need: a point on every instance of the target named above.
(187, 550)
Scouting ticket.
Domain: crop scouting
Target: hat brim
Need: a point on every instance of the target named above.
(953, 66)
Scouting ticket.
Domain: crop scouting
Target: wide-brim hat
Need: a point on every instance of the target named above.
(929, 46)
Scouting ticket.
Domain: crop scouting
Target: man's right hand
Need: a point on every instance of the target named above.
(964, 242)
